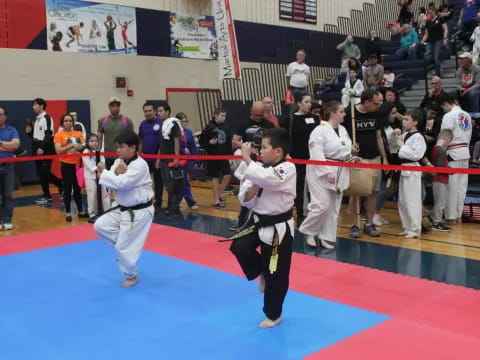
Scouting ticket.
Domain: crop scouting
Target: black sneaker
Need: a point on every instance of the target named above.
(440, 227)
(371, 230)
(355, 232)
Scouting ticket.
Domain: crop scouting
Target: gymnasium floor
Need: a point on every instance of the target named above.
(61, 297)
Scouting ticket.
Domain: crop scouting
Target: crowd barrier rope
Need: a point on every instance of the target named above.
(358, 165)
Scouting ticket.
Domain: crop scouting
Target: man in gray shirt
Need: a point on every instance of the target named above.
(349, 50)
(468, 83)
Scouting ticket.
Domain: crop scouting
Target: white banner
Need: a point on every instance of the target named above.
(80, 26)
(192, 36)
(229, 62)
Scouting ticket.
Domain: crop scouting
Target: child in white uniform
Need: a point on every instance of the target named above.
(269, 192)
(410, 187)
(125, 227)
(91, 176)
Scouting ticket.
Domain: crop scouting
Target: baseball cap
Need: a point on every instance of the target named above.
(114, 99)
(465, 55)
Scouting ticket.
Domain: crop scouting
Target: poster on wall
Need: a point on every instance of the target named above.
(88, 27)
(228, 58)
(304, 11)
(193, 36)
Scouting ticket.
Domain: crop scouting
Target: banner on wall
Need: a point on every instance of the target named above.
(229, 62)
(193, 36)
(88, 27)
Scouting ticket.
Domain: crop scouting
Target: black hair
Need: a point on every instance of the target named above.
(62, 119)
(72, 110)
(384, 112)
(129, 138)
(89, 136)
(4, 109)
(423, 10)
(388, 68)
(368, 94)
(279, 138)
(165, 106)
(447, 99)
(148, 104)
(40, 101)
(392, 90)
(417, 115)
(298, 96)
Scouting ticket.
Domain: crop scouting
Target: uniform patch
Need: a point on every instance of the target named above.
(463, 122)
(156, 127)
(280, 172)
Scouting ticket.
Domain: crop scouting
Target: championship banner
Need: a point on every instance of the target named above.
(193, 36)
(88, 27)
(228, 59)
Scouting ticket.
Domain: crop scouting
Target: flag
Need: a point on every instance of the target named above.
(228, 60)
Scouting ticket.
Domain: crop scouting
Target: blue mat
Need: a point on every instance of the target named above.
(65, 303)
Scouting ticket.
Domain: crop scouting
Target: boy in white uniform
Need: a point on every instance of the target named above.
(269, 192)
(458, 153)
(410, 187)
(125, 227)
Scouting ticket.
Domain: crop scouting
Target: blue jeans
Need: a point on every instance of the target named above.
(433, 55)
(469, 102)
(187, 191)
(384, 194)
(410, 52)
(174, 198)
(6, 191)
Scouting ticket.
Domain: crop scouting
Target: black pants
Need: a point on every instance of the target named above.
(242, 216)
(45, 175)
(70, 182)
(157, 183)
(254, 263)
(299, 201)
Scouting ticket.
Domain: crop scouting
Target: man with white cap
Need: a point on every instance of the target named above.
(468, 83)
(110, 126)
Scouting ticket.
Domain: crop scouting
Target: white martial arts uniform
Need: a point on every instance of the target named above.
(278, 195)
(326, 198)
(350, 93)
(410, 187)
(475, 38)
(460, 123)
(126, 231)
(90, 173)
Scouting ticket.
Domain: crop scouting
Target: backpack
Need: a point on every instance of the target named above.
(107, 117)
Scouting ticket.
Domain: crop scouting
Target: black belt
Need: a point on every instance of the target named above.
(270, 220)
(136, 207)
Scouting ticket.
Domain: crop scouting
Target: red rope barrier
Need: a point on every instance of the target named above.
(427, 169)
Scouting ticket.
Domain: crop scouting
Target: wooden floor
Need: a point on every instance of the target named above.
(463, 241)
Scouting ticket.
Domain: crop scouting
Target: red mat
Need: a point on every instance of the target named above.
(430, 320)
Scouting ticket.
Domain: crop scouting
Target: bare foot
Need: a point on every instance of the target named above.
(267, 323)
(261, 284)
(130, 282)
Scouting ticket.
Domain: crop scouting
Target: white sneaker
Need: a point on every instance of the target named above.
(377, 220)
(383, 220)
(7, 226)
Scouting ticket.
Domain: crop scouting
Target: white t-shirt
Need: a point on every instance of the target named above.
(298, 74)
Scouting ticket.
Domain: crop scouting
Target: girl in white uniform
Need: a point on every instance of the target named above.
(329, 141)
(91, 185)
(410, 187)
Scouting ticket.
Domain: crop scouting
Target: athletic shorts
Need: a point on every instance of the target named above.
(217, 168)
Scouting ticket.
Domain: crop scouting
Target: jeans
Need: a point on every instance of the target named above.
(433, 55)
(469, 102)
(187, 191)
(174, 198)
(410, 52)
(384, 194)
(6, 191)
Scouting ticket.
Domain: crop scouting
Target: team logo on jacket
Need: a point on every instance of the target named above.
(463, 122)
(156, 127)
(280, 172)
